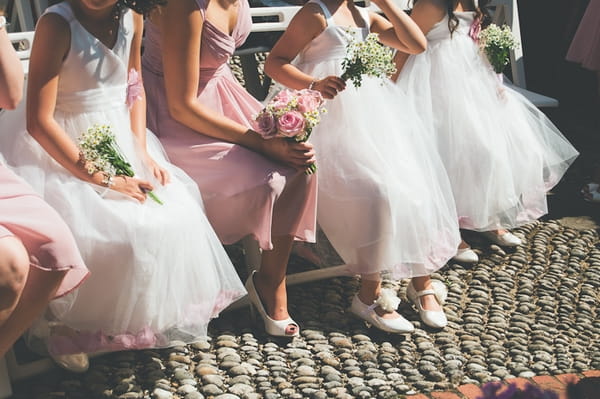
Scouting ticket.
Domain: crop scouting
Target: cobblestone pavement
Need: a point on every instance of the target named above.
(527, 313)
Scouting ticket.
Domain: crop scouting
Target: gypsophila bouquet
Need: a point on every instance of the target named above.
(496, 42)
(367, 57)
(292, 114)
(497, 390)
(99, 152)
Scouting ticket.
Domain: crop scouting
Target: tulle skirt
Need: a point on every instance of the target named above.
(384, 201)
(501, 153)
(158, 272)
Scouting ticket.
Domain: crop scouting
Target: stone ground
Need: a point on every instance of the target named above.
(530, 312)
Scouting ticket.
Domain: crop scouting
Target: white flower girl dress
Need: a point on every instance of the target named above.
(158, 272)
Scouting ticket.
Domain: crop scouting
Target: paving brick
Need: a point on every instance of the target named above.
(553, 384)
(568, 378)
(592, 373)
(520, 382)
(418, 396)
(471, 391)
(444, 395)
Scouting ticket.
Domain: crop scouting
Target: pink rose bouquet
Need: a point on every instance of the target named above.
(291, 114)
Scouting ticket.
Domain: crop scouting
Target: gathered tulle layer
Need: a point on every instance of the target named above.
(384, 199)
(154, 268)
(501, 153)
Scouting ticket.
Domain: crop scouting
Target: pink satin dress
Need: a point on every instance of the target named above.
(47, 239)
(585, 47)
(244, 193)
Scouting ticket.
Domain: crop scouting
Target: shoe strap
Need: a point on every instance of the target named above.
(425, 292)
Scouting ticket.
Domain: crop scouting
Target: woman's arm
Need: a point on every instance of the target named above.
(50, 46)
(303, 28)
(11, 73)
(181, 25)
(425, 13)
(398, 30)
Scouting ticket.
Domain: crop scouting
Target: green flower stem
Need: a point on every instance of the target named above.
(154, 197)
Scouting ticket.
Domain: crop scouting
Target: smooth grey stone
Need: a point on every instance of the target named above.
(161, 394)
(194, 395)
(240, 389)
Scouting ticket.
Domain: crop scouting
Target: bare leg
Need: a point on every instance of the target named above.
(428, 302)
(270, 280)
(463, 244)
(14, 267)
(369, 291)
(39, 289)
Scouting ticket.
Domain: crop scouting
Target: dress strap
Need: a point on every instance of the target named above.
(202, 4)
(63, 9)
(364, 13)
(328, 16)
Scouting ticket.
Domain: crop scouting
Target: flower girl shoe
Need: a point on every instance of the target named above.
(466, 255)
(277, 328)
(76, 363)
(506, 239)
(432, 318)
(388, 301)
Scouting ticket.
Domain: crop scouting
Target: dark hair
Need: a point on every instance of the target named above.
(142, 6)
(481, 12)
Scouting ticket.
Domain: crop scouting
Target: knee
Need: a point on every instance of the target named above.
(14, 268)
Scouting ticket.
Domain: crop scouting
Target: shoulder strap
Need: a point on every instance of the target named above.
(63, 9)
(202, 7)
(364, 13)
(326, 12)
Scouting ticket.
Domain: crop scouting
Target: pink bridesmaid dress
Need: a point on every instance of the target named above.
(48, 240)
(585, 47)
(244, 192)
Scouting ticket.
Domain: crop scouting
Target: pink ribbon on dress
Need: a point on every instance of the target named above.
(135, 87)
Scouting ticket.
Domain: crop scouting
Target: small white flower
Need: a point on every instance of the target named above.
(388, 300)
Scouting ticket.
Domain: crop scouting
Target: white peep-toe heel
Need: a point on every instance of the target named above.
(276, 328)
(432, 318)
(388, 301)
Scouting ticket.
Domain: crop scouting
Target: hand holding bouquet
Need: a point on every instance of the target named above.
(367, 57)
(99, 152)
(496, 42)
(291, 114)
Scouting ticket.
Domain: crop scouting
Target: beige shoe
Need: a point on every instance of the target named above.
(75, 363)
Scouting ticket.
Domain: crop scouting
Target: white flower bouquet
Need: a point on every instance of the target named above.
(99, 152)
(496, 42)
(367, 57)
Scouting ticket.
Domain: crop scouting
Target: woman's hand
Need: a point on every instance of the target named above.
(329, 86)
(131, 186)
(291, 153)
(160, 173)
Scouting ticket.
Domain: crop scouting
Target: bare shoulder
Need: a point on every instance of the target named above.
(311, 16)
(53, 28)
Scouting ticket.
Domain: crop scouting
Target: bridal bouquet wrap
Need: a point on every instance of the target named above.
(291, 114)
(496, 42)
(367, 57)
(99, 152)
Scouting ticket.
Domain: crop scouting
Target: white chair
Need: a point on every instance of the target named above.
(22, 42)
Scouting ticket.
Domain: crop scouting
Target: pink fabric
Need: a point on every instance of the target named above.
(46, 237)
(585, 47)
(244, 192)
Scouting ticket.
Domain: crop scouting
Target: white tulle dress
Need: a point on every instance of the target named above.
(384, 199)
(502, 154)
(158, 272)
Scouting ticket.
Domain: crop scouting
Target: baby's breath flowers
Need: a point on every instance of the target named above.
(99, 152)
(367, 57)
(496, 42)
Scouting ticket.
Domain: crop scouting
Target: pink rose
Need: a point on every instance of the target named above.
(291, 124)
(282, 99)
(135, 87)
(265, 124)
(309, 100)
(475, 30)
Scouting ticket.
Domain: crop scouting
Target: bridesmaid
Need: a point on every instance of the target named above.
(39, 259)
(250, 186)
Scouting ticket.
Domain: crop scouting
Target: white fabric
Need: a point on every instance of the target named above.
(157, 268)
(384, 199)
(502, 154)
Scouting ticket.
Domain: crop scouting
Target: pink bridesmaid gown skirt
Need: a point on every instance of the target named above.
(585, 47)
(48, 240)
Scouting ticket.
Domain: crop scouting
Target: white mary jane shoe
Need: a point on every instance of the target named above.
(432, 318)
(75, 363)
(388, 301)
(466, 255)
(507, 239)
(276, 328)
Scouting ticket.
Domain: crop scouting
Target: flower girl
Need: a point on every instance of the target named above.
(501, 153)
(159, 273)
(384, 200)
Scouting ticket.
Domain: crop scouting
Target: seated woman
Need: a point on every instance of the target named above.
(250, 186)
(39, 259)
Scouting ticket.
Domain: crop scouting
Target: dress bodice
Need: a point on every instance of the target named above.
(331, 43)
(440, 30)
(216, 47)
(93, 75)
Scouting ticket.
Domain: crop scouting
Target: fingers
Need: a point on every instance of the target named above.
(330, 86)
(145, 185)
(162, 175)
